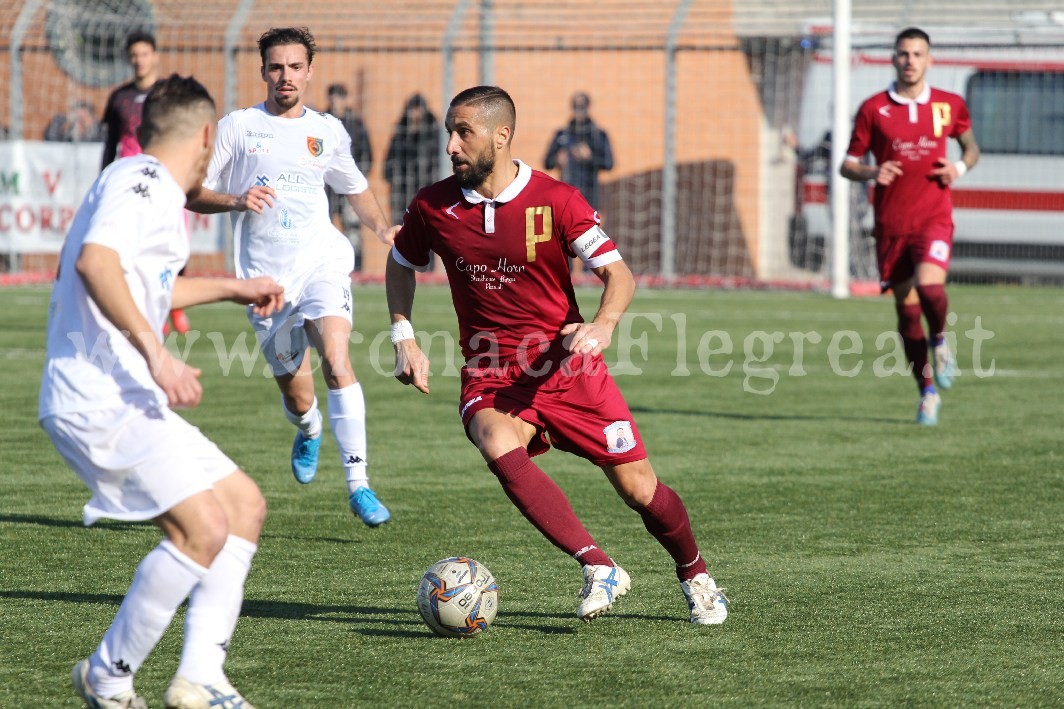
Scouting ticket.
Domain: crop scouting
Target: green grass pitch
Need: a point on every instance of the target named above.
(869, 562)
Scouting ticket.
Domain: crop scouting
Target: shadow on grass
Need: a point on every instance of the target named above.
(111, 525)
(400, 617)
(765, 417)
(402, 622)
(118, 526)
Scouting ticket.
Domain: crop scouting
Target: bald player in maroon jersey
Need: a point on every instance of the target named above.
(534, 373)
(906, 128)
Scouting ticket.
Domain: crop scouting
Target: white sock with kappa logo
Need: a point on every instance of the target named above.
(163, 580)
(347, 416)
(213, 609)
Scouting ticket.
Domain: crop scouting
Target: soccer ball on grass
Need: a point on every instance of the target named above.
(458, 597)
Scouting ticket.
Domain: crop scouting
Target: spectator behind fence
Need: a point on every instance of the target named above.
(413, 159)
(78, 125)
(580, 151)
(343, 215)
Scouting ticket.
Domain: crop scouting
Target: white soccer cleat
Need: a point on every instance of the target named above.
(602, 586)
(122, 700)
(182, 694)
(708, 604)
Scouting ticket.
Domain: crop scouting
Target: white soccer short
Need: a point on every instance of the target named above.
(138, 462)
(282, 338)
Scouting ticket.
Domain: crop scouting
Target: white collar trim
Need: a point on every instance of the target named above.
(524, 175)
(924, 96)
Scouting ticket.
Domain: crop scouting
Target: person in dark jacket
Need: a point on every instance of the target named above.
(340, 106)
(580, 151)
(342, 214)
(413, 159)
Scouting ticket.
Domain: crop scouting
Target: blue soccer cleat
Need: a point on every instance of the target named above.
(927, 414)
(944, 364)
(305, 458)
(368, 508)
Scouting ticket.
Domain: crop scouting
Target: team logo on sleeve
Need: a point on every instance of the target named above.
(620, 438)
(316, 146)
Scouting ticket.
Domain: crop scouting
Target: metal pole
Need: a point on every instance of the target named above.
(840, 128)
(668, 168)
(487, 51)
(232, 38)
(15, 97)
(449, 35)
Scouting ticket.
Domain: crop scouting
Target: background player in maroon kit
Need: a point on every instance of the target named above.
(907, 128)
(121, 118)
(534, 368)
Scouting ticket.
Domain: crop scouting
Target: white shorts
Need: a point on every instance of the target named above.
(281, 336)
(138, 462)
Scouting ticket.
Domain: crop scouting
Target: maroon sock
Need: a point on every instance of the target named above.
(544, 504)
(665, 517)
(935, 305)
(913, 338)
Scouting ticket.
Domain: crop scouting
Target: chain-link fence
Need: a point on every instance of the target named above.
(715, 114)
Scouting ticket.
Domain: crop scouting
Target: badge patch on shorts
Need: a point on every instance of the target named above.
(939, 250)
(620, 438)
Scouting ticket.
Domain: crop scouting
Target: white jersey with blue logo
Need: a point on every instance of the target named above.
(137, 209)
(297, 157)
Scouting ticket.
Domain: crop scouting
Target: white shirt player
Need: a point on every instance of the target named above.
(297, 157)
(136, 208)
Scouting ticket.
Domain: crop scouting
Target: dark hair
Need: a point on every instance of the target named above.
(581, 100)
(169, 108)
(912, 33)
(139, 36)
(491, 100)
(336, 90)
(277, 36)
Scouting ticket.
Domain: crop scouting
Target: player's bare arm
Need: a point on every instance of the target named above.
(369, 211)
(208, 201)
(593, 337)
(884, 174)
(263, 293)
(100, 269)
(411, 364)
(948, 173)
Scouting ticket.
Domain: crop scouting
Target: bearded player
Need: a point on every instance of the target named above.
(534, 373)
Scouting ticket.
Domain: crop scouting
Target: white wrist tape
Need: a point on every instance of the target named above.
(402, 330)
(961, 168)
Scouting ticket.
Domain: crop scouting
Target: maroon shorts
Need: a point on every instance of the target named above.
(574, 404)
(899, 254)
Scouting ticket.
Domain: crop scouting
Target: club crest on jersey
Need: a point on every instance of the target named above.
(316, 146)
(620, 438)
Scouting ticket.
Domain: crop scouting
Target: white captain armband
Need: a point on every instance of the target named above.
(402, 330)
